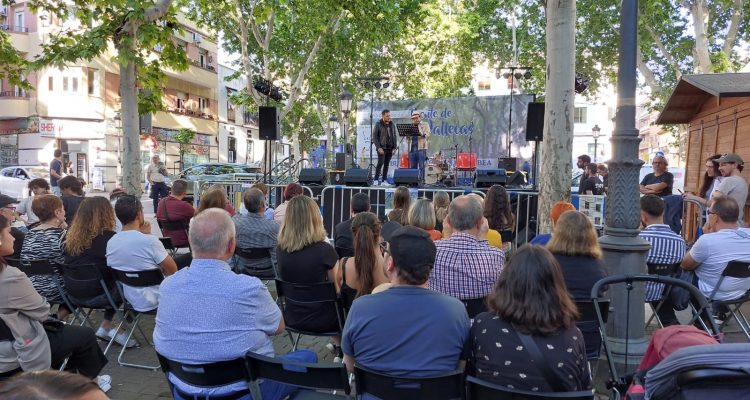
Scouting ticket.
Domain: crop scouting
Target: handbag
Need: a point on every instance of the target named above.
(541, 362)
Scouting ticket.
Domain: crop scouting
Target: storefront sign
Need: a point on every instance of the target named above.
(47, 128)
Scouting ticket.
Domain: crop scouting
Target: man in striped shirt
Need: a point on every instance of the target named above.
(667, 247)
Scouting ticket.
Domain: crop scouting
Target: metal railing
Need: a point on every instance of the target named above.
(12, 28)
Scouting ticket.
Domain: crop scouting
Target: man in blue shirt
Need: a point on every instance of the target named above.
(407, 330)
(207, 313)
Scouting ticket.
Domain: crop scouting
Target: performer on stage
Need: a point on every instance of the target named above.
(418, 146)
(384, 138)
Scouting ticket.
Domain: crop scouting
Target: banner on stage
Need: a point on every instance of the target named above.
(458, 125)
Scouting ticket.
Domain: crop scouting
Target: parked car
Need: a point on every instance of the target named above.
(217, 172)
(14, 180)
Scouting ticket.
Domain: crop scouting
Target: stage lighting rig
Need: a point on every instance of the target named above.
(267, 88)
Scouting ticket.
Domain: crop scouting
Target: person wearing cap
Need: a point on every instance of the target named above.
(418, 145)
(660, 181)
(733, 184)
(407, 330)
(8, 210)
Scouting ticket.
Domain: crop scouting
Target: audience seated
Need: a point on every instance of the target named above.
(37, 187)
(291, 190)
(264, 188)
(667, 247)
(466, 267)
(576, 249)
(40, 343)
(228, 316)
(45, 242)
(212, 198)
(304, 256)
(724, 241)
(401, 205)
(490, 235)
(529, 299)
(342, 232)
(46, 385)
(228, 205)
(7, 211)
(86, 243)
(135, 249)
(359, 275)
(254, 231)
(497, 210)
(557, 209)
(441, 201)
(113, 196)
(173, 208)
(422, 215)
(72, 195)
(407, 330)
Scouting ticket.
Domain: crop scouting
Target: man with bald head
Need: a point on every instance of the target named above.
(660, 181)
(207, 313)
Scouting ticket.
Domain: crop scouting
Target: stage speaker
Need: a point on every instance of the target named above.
(406, 177)
(488, 177)
(518, 179)
(357, 177)
(535, 122)
(312, 176)
(343, 161)
(508, 163)
(336, 177)
(268, 123)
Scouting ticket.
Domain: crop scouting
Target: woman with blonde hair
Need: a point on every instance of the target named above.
(304, 256)
(212, 199)
(86, 244)
(441, 201)
(359, 275)
(422, 215)
(401, 204)
(575, 246)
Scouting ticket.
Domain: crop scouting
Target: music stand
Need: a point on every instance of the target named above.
(405, 130)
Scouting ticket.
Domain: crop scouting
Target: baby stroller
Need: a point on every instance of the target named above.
(712, 371)
(619, 382)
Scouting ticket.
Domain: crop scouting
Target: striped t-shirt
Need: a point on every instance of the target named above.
(667, 247)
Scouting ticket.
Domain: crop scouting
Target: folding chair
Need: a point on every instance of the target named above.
(739, 270)
(137, 279)
(441, 387)
(209, 375)
(49, 269)
(175, 226)
(619, 378)
(255, 254)
(329, 376)
(589, 326)
(475, 306)
(481, 390)
(321, 295)
(669, 270)
(168, 245)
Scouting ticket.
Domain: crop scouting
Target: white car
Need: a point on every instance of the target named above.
(14, 181)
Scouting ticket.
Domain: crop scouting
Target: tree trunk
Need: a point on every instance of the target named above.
(132, 171)
(558, 116)
(699, 14)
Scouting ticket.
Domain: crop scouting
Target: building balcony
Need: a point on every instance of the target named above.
(19, 37)
(177, 120)
(195, 74)
(14, 104)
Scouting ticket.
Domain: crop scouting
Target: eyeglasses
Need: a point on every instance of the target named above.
(384, 248)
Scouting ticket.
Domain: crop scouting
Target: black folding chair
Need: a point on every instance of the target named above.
(478, 389)
(321, 296)
(136, 279)
(619, 379)
(441, 387)
(740, 270)
(210, 375)
(168, 245)
(175, 226)
(313, 376)
(51, 270)
(475, 306)
(669, 270)
(255, 254)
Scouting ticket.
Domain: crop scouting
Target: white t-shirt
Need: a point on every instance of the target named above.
(24, 207)
(135, 251)
(713, 251)
(736, 188)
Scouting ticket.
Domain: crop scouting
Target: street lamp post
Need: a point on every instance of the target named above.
(333, 122)
(595, 133)
(345, 103)
(624, 251)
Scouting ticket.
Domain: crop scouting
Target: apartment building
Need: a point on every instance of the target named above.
(655, 139)
(238, 128)
(76, 109)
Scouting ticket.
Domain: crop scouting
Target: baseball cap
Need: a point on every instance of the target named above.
(416, 114)
(5, 200)
(412, 247)
(731, 158)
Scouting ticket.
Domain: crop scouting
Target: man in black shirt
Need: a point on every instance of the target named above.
(604, 174)
(384, 139)
(660, 181)
(583, 162)
(343, 238)
(592, 184)
(8, 210)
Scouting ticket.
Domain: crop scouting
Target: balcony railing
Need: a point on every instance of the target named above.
(15, 94)
(191, 113)
(208, 67)
(11, 28)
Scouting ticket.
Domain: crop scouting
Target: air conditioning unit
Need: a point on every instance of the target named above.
(196, 37)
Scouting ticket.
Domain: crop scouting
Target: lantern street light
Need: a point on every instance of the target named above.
(333, 123)
(595, 131)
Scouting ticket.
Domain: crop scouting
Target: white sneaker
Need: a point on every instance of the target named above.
(103, 334)
(121, 337)
(338, 360)
(104, 382)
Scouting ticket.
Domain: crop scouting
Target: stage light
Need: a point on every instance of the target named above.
(518, 75)
(377, 85)
(386, 84)
(527, 75)
(506, 75)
